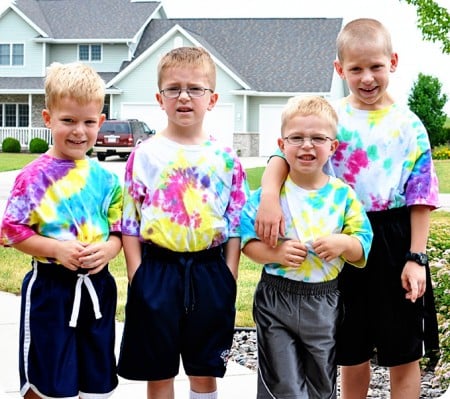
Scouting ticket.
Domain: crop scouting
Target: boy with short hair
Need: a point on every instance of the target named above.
(385, 155)
(65, 211)
(296, 305)
(183, 197)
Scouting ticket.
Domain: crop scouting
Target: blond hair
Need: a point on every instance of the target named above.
(362, 31)
(195, 57)
(310, 105)
(73, 80)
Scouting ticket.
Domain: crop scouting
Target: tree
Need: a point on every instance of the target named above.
(434, 22)
(427, 102)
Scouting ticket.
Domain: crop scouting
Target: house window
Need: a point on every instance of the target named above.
(14, 115)
(11, 54)
(90, 52)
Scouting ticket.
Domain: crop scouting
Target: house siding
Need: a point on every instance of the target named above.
(112, 56)
(14, 30)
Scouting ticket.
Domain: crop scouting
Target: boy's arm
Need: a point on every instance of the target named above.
(334, 245)
(133, 254)
(232, 250)
(289, 253)
(269, 219)
(66, 252)
(414, 275)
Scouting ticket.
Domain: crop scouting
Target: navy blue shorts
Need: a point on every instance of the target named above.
(378, 319)
(179, 304)
(58, 360)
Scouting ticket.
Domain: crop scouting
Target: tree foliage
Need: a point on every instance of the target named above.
(434, 22)
(427, 102)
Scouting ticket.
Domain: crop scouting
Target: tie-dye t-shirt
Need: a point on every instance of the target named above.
(64, 200)
(309, 215)
(385, 156)
(184, 198)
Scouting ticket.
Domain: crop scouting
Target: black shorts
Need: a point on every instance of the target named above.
(378, 319)
(66, 341)
(179, 304)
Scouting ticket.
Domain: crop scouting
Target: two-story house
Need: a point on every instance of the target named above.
(261, 62)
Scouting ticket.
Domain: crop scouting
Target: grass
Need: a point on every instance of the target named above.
(443, 172)
(10, 161)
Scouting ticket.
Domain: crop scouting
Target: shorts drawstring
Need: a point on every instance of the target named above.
(84, 278)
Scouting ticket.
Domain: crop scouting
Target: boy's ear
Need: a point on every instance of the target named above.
(213, 100)
(339, 69)
(334, 146)
(280, 143)
(394, 62)
(101, 120)
(46, 117)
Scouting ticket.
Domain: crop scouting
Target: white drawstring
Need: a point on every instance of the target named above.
(84, 278)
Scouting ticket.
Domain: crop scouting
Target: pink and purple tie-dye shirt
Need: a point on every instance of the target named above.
(183, 197)
(64, 200)
(385, 156)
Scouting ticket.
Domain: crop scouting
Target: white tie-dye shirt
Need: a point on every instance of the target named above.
(385, 156)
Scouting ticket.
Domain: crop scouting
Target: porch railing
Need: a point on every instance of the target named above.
(25, 134)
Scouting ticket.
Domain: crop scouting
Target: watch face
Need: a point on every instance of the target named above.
(420, 258)
(423, 259)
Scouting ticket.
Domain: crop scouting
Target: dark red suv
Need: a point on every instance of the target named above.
(119, 137)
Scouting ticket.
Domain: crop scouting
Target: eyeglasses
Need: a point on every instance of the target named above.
(193, 92)
(297, 140)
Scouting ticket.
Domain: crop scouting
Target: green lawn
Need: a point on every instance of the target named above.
(443, 172)
(16, 161)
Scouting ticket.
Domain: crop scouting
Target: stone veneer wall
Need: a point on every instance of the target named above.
(246, 144)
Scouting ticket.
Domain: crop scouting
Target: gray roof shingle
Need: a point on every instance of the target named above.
(88, 19)
(279, 54)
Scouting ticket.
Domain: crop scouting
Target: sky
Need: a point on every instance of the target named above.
(415, 55)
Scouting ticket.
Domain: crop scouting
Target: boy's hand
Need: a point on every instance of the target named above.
(330, 247)
(413, 280)
(68, 253)
(95, 256)
(291, 253)
(269, 221)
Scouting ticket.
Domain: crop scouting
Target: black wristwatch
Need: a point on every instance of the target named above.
(420, 258)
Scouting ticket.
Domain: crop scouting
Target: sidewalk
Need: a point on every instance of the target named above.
(239, 381)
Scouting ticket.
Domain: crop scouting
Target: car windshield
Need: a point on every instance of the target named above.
(114, 127)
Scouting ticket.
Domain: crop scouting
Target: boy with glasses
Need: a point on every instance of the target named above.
(296, 304)
(184, 193)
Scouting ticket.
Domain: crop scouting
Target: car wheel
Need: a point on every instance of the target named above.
(101, 157)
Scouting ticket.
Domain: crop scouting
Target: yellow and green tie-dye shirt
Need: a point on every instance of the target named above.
(310, 214)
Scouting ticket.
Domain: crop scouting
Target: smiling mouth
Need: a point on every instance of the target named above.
(307, 157)
(77, 142)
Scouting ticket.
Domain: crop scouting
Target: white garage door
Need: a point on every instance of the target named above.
(219, 122)
(151, 114)
(269, 128)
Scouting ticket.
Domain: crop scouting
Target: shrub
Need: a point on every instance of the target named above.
(441, 152)
(10, 144)
(38, 146)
